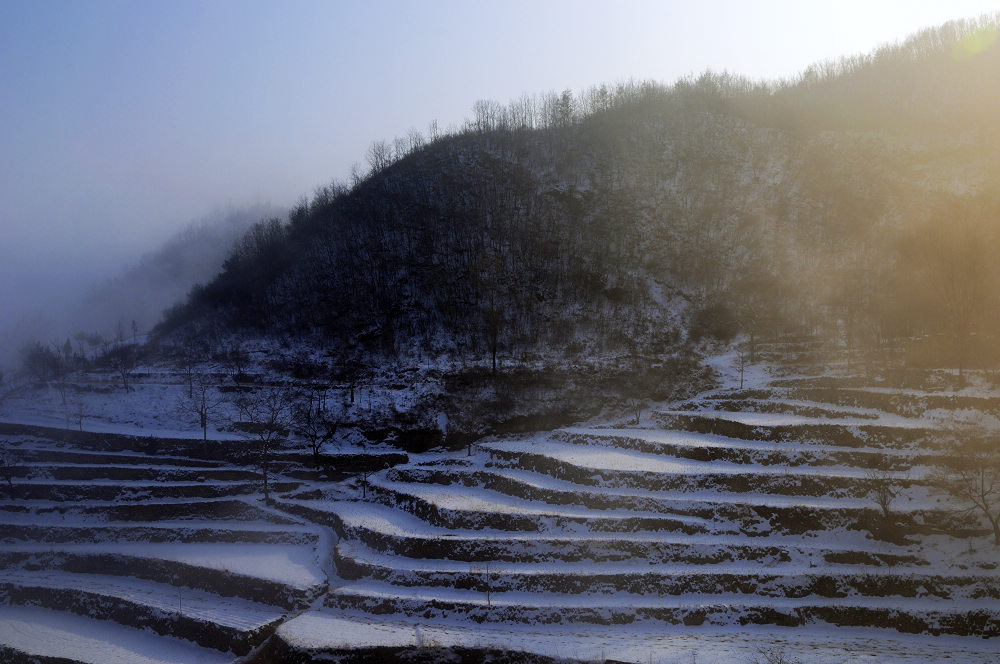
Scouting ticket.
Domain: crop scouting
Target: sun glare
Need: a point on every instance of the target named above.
(975, 43)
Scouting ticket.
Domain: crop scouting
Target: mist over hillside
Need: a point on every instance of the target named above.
(139, 293)
(164, 276)
(629, 218)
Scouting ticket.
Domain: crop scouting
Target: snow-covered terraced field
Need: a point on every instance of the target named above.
(129, 556)
(735, 522)
(775, 526)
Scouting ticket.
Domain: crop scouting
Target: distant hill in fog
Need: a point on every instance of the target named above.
(628, 217)
(163, 277)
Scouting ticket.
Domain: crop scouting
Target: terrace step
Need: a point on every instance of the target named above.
(605, 467)
(905, 403)
(452, 507)
(222, 509)
(641, 578)
(851, 433)
(80, 491)
(709, 447)
(136, 473)
(28, 453)
(777, 405)
(722, 512)
(917, 615)
(30, 635)
(391, 531)
(277, 575)
(179, 531)
(211, 621)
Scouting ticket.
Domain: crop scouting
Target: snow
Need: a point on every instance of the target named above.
(703, 440)
(322, 630)
(793, 420)
(228, 611)
(790, 570)
(727, 367)
(61, 520)
(394, 522)
(308, 566)
(731, 602)
(282, 563)
(45, 633)
(683, 498)
(657, 644)
(603, 458)
(473, 499)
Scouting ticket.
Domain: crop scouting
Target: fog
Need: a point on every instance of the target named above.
(123, 122)
(108, 292)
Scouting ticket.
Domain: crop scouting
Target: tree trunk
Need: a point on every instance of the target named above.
(267, 494)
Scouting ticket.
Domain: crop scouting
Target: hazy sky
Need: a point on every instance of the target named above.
(122, 121)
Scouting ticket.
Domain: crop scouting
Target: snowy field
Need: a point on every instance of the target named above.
(634, 542)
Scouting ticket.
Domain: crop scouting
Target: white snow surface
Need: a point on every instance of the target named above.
(317, 630)
(234, 612)
(606, 458)
(799, 568)
(289, 564)
(693, 439)
(626, 601)
(457, 497)
(792, 419)
(390, 521)
(683, 498)
(46, 633)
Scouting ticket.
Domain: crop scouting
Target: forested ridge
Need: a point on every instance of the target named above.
(858, 200)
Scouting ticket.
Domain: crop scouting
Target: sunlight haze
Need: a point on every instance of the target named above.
(124, 121)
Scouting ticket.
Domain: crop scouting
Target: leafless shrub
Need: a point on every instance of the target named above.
(883, 488)
(771, 655)
(972, 476)
(266, 418)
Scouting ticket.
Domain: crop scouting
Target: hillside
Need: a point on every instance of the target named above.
(627, 219)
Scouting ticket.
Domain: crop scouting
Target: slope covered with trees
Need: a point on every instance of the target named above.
(856, 200)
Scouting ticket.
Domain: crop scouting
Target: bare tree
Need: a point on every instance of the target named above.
(973, 474)
(365, 474)
(201, 402)
(957, 273)
(313, 423)
(486, 573)
(79, 412)
(883, 488)
(742, 357)
(771, 655)
(379, 157)
(414, 139)
(41, 362)
(491, 278)
(124, 358)
(188, 360)
(635, 405)
(237, 362)
(266, 418)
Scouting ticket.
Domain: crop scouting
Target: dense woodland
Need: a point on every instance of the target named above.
(857, 201)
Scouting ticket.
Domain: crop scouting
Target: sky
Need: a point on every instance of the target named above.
(124, 121)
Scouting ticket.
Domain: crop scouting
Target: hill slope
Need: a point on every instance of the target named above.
(621, 219)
